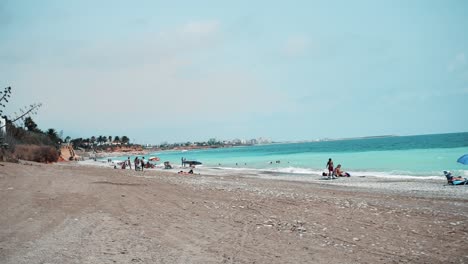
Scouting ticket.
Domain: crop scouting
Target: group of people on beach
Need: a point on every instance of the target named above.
(335, 172)
(139, 164)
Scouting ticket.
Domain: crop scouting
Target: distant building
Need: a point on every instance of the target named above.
(253, 141)
(2, 125)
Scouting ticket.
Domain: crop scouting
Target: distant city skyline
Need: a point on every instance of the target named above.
(188, 71)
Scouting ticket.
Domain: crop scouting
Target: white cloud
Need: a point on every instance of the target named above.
(161, 77)
(190, 33)
(201, 28)
(296, 45)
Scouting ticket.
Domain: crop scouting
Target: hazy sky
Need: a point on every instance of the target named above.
(181, 71)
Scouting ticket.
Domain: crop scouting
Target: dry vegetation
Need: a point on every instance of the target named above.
(36, 153)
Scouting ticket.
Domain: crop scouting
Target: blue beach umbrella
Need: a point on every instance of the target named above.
(463, 159)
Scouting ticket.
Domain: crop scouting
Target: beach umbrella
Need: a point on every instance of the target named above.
(154, 159)
(463, 159)
(193, 162)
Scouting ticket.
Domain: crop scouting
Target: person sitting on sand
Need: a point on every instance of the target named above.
(183, 172)
(451, 178)
(340, 173)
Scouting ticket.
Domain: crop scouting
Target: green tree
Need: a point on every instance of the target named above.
(78, 142)
(125, 140)
(212, 141)
(117, 139)
(100, 139)
(30, 124)
(53, 135)
(87, 141)
(110, 139)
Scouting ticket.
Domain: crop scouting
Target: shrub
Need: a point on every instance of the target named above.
(29, 138)
(7, 156)
(36, 153)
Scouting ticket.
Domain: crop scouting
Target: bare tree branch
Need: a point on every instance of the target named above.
(28, 110)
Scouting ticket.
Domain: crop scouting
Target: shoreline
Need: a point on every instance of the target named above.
(293, 171)
(411, 185)
(310, 164)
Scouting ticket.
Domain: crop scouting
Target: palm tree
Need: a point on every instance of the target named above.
(110, 139)
(100, 140)
(87, 141)
(93, 139)
(117, 139)
(125, 140)
(53, 135)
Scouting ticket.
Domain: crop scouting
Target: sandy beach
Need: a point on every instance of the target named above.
(71, 213)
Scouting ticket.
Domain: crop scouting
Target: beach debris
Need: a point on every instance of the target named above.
(298, 227)
(269, 223)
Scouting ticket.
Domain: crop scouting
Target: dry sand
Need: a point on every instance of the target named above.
(78, 214)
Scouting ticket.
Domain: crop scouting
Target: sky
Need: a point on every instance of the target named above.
(178, 71)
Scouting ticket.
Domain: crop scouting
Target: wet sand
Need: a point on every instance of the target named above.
(67, 213)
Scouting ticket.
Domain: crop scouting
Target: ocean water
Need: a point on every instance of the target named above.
(402, 156)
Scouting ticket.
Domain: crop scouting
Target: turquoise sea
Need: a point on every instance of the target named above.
(399, 156)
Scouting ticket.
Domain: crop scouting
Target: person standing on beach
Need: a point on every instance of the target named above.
(136, 162)
(129, 163)
(330, 167)
(142, 163)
